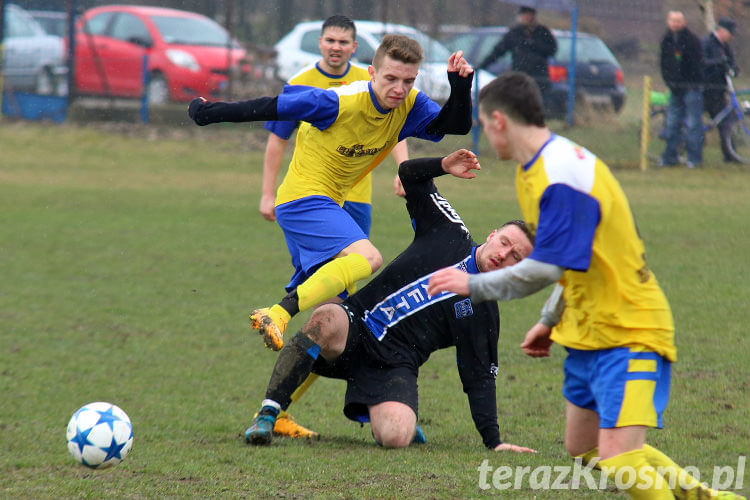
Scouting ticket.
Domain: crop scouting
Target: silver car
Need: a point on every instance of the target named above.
(299, 48)
(33, 61)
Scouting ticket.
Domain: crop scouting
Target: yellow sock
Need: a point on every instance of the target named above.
(332, 279)
(673, 474)
(588, 456)
(632, 473)
(281, 312)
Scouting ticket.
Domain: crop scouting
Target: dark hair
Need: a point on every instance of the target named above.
(339, 21)
(522, 226)
(515, 94)
(400, 48)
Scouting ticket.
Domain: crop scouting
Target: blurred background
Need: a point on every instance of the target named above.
(135, 62)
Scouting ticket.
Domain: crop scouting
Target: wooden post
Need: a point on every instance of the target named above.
(645, 122)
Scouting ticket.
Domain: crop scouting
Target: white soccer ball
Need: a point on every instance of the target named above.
(99, 435)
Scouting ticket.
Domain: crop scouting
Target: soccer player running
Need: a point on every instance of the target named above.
(380, 336)
(337, 43)
(616, 323)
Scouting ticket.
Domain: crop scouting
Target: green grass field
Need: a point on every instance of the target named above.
(129, 263)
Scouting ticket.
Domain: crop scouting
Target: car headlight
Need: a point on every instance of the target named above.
(183, 59)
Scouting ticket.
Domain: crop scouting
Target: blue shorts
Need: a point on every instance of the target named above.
(361, 213)
(316, 229)
(624, 385)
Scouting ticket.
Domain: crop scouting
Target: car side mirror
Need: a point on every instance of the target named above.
(140, 41)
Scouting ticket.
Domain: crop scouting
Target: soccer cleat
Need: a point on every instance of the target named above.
(261, 429)
(419, 437)
(270, 325)
(286, 426)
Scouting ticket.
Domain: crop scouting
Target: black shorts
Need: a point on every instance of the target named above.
(369, 378)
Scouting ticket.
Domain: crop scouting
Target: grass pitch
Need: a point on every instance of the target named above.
(129, 263)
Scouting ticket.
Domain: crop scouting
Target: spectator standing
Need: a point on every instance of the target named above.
(682, 71)
(530, 44)
(718, 61)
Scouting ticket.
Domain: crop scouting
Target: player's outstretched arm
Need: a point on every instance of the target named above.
(205, 112)
(455, 115)
(513, 447)
(461, 163)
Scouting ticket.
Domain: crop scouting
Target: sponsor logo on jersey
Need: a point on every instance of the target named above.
(445, 207)
(358, 150)
(463, 308)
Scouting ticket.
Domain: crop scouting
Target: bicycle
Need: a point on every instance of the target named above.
(737, 138)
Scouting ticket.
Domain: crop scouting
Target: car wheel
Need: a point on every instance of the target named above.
(158, 90)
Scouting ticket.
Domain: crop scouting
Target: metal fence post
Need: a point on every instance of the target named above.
(144, 96)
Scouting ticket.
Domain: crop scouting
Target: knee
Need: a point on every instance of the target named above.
(321, 325)
(374, 259)
(395, 438)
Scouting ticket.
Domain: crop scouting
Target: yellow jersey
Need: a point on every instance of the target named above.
(582, 221)
(313, 76)
(344, 135)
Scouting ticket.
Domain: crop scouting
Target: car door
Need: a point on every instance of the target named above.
(89, 74)
(123, 54)
(21, 50)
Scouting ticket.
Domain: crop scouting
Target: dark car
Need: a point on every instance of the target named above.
(599, 77)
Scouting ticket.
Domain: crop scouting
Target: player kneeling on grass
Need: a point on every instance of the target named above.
(378, 338)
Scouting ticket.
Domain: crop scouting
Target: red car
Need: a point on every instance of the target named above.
(189, 54)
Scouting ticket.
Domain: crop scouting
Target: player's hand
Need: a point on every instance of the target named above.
(268, 207)
(513, 447)
(537, 342)
(195, 106)
(457, 63)
(398, 188)
(461, 163)
(449, 279)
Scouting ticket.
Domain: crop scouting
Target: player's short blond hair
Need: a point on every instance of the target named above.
(400, 48)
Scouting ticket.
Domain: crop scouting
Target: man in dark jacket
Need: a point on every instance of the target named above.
(682, 71)
(531, 44)
(718, 61)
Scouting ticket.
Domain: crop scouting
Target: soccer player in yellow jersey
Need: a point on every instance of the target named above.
(607, 309)
(337, 43)
(346, 131)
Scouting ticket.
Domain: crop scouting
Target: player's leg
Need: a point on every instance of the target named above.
(330, 253)
(324, 334)
(393, 424)
(631, 387)
(581, 432)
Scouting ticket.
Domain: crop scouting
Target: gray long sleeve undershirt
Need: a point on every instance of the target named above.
(514, 282)
(553, 308)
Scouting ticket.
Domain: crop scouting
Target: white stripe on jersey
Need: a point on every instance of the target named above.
(568, 163)
(352, 88)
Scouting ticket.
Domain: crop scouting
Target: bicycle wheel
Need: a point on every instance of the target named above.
(737, 141)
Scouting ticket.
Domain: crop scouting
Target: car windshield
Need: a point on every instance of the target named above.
(434, 51)
(191, 31)
(588, 50)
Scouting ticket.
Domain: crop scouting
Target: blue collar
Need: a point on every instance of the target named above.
(329, 75)
(531, 162)
(375, 100)
(471, 264)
